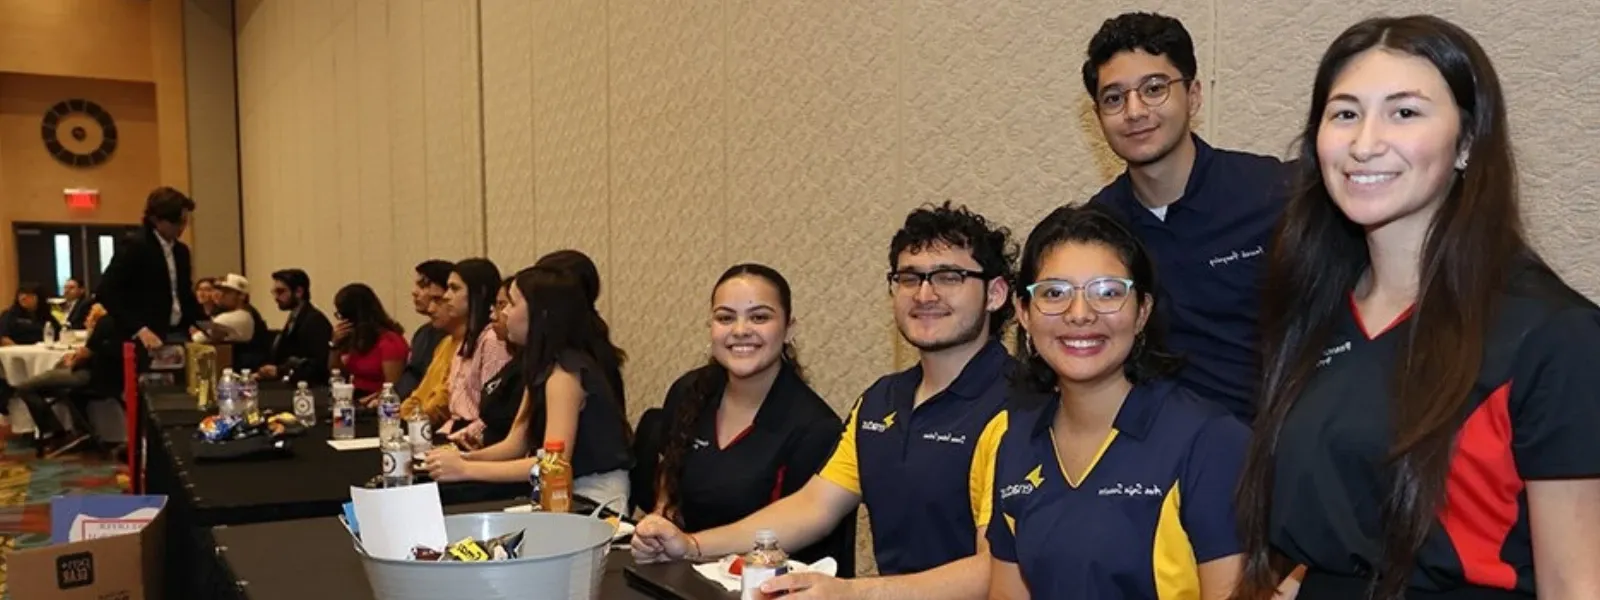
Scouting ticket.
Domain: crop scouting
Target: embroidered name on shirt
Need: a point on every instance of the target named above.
(699, 443)
(1329, 353)
(947, 438)
(1137, 489)
(879, 426)
(1235, 256)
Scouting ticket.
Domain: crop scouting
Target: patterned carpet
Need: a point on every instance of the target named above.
(27, 484)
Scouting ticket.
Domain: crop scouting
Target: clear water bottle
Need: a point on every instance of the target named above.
(228, 394)
(419, 432)
(765, 561)
(344, 412)
(335, 378)
(396, 459)
(249, 394)
(305, 405)
(389, 413)
(49, 333)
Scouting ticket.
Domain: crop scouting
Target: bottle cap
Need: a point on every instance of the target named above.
(766, 536)
(555, 446)
(301, 385)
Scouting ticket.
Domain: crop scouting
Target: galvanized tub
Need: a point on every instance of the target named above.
(563, 556)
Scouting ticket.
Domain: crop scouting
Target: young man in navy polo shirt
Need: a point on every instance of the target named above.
(1205, 214)
(918, 449)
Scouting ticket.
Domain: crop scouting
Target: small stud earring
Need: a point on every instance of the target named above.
(1461, 163)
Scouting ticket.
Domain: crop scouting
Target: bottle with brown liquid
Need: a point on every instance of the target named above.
(555, 479)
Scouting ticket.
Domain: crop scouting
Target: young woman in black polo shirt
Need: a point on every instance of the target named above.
(574, 393)
(1431, 416)
(745, 429)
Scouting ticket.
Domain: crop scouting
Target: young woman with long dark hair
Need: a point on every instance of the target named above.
(467, 307)
(571, 370)
(1114, 481)
(1431, 401)
(23, 323)
(745, 429)
(368, 344)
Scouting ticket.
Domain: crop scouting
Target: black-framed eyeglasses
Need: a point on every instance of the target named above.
(1104, 295)
(942, 279)
(1152, 92)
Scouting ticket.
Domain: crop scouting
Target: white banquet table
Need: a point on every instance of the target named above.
(18, 364)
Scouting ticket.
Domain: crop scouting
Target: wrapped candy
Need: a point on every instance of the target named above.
(505, 547)
(468, 550)
(426, 554)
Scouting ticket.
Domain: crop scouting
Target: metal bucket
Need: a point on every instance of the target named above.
(563, 556)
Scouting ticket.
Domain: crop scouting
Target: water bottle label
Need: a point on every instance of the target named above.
(346, 417)
(418, 432)
(302, 406)
(396, 463)
(752, 578)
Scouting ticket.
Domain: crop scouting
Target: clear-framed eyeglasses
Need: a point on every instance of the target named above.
(1104, 295)
(1152, 92)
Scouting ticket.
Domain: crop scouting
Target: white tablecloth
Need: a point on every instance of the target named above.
(18, 364)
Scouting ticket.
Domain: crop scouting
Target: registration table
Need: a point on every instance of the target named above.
(20, 363)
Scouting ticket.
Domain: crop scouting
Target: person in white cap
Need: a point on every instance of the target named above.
(235, 321)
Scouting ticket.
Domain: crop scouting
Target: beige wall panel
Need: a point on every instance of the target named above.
(508, 133)
(812, 168)
(574, 205)
(408, 176)
(1544, 54)
(342, 121)
(382, 264)
(669, 185)
(453, 153)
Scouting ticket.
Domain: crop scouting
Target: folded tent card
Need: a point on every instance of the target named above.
(407, 523)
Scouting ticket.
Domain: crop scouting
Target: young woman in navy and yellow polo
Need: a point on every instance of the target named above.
(1431, 418)
(1111, 481)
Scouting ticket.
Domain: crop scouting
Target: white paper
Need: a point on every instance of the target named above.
(355, 444)
(395, 520)
(718, 573)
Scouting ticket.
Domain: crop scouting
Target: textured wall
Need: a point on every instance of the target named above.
(671, 140)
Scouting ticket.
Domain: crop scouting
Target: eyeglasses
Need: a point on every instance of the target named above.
(1106, 295)
(1153, 92)
(942, 279)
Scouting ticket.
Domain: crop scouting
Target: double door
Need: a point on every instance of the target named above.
(51, 253)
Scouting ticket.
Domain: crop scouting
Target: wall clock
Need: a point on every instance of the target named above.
(90, 133)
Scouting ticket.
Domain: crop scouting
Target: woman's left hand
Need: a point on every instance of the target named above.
(445, 465)
(466, 438)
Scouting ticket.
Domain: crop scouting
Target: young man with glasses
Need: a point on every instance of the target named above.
(918, 449)
(1205, 214)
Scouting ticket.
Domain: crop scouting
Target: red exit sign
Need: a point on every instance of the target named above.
(81, 198)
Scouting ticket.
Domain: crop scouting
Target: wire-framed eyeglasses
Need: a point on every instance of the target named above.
(1103, 295)
(1152, 92)
(942, 279)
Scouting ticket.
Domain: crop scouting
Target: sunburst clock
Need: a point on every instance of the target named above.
(79, 133)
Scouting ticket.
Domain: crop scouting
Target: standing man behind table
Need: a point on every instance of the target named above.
(918, 448)
(1206, 215)
(300, 350)
(432, 277)
(146, 288)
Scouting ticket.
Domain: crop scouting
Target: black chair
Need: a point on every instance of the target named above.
(648, 439)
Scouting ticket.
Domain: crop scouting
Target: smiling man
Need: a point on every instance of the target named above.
(918, 448)
(1205, 214)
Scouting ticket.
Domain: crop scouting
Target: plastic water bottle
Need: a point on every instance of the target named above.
(228, 394)
(305, 405)
(389, 413)
(761, 563)
(396, 458)
(419, 432)
(49, 333)
(335, 379)
(249, 394)
(344, 413)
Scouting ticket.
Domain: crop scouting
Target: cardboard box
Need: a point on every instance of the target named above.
(120, 567)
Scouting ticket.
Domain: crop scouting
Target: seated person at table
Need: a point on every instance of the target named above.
(502, 393)
(1111, 480)
(74, 373)
(300, 350)
(469, 299)
(574, 380)
(368, 345)
(205, 292)
(239, 324)
(432, 276)
(745, 429)
(75, 303)
(24, 322)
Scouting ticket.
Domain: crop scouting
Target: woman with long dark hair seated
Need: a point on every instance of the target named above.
(368, 344)
(452, 404)
(1113, 481)
(1430, 426)
(745, 429)
(574, 393)
(23, 323)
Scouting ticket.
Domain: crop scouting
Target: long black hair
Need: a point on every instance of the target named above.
(1472, 243)
(41, 308)
(706, 383)
(561, 322)
(582, 267)
(1090, 223)
(359, 305)
(482, 280)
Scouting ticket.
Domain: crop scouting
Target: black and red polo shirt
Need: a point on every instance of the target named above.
(1535, 415)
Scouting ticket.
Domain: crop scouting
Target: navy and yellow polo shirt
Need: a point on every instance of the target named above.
(924, 472)
(1154, 504)
(1534, 414)
(1210, 250)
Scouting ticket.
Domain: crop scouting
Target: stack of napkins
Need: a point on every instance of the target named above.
(718, 571)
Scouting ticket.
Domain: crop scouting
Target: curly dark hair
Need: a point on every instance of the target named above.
(1156, 34)
(704, 385)
(1091, 223)
(957, 227)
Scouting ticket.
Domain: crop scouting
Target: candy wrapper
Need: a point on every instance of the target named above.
(505, 547)
(467, 550)
(217, 428)
(426, 554)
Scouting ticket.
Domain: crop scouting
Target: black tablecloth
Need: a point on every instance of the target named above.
(312, 558)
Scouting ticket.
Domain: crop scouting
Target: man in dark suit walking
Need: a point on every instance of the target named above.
(147, 285)
(300, 351)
